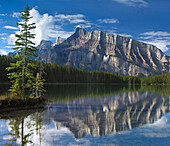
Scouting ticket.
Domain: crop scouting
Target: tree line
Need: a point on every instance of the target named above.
(54, 73)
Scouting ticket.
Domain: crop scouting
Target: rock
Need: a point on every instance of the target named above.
(59, 41)
(44, 45)
(99, 50)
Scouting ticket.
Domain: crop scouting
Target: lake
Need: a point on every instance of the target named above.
(92, 115)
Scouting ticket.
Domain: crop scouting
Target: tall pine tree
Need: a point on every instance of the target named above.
(22, 72)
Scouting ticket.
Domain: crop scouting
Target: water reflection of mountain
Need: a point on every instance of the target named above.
(94, 110)
(107, 115)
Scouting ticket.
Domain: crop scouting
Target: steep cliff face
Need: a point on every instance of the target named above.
(103, 51)
(98, 50)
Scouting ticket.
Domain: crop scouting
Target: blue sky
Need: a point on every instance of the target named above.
(144, 20)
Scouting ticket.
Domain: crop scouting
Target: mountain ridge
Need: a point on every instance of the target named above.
(99, 50)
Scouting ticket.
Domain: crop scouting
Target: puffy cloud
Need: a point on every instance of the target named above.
(3, 52)
(45, 28)
(161, 44)
(108, 20)
(12, 39)
(48, 26)
(133, 3)
(11, 27)
(87, 25)
(160, 39)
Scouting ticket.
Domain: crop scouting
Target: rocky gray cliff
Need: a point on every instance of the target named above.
(98, 50)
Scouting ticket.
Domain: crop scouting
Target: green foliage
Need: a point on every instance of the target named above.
(163, 79)
(38, 87)
(22, 71)
(67, 74)
(18, 125)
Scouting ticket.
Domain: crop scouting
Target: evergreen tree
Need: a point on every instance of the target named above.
(38, 87)
(22, 72)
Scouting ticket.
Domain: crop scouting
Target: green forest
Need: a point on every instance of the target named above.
(54, 73)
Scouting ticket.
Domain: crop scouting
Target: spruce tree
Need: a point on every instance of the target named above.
(22, 72)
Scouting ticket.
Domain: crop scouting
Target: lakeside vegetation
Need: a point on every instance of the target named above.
(66, 74)
(26, 82)
(70, 92)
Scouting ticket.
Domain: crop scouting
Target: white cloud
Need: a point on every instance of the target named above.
(79, 19)
(108, 20)
(16, 15)
(3, 14)
(133, 3)
(156, 33)
(126, 35)
(3, 38)
(73, 19)
(10, 27)
(9, 47)
(46, 27)
(110, 31)
(161, 44)
(3, 52)
(2, 34)
(87, 25)
(12, 39)
(160, 39)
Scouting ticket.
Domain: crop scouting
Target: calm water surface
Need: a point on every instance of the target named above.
(92, 115)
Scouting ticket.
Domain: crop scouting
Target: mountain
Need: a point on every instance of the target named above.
(99, 50)
(44, 45)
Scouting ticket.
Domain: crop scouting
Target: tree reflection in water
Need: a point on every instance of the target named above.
(88, 110)
(22, 129)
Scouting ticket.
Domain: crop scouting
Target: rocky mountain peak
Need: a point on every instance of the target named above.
(79, 33)
(99, 50)
(45, 44)
(59, 40)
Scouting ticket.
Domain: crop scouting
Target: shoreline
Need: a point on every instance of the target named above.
(162, 84)
(10, 104)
